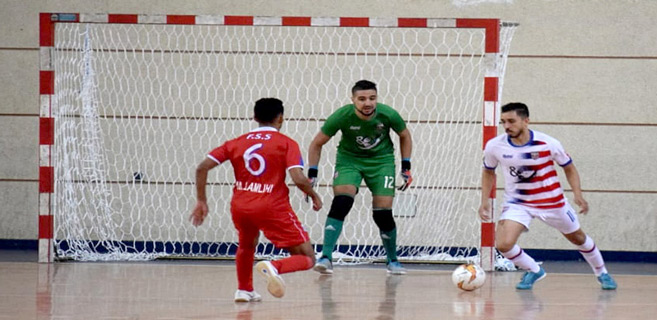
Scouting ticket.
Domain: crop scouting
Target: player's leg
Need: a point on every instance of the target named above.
(382, 214)
(593, 257)
(506, 238)
(380, 179)
(343, 200)
(565, 220)
(513, 222)
(342, 203)
(302, 257)
(346, 180)
(588, 249)
(248, 240)
(284, 230)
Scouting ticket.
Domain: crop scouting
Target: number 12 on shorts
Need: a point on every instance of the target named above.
(389, 182)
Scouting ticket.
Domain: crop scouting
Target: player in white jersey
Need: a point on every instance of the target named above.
(532, 190)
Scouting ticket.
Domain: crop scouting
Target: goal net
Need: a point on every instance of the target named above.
(138, 105)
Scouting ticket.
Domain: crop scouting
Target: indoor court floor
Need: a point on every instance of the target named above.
(203, 289)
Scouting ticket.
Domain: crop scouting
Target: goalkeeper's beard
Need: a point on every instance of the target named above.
(366, 114)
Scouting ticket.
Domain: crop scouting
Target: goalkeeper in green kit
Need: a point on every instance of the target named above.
(365, 152)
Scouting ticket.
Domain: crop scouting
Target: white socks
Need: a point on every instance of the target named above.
(521, 259)
(588, 250)
(593, 256)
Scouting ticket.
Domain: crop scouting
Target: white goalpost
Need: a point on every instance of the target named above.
(132, 103)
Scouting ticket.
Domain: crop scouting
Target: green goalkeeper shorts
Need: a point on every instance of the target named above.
(379, 174)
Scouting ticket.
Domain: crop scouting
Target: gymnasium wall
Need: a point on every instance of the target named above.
(585, 68)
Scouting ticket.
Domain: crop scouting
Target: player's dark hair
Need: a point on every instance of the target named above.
(267, 109)
(520, 108)
(363, 85)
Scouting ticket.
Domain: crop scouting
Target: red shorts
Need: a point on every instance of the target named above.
(281, 227)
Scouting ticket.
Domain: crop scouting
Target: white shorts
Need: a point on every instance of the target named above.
(563, 219)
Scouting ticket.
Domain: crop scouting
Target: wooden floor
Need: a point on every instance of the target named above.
(204, 290)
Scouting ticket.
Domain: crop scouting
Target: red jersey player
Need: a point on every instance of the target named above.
(260, 201)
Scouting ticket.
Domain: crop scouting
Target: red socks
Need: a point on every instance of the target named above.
(244, 265)
(293, 263)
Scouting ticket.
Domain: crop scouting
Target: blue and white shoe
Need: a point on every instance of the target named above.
(607, 282)
(394, 267)
(324, 265)
(528, 280)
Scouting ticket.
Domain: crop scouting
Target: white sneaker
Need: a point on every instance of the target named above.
(247, 296)
(275, 284)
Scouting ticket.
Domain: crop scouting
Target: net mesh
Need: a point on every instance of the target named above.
(137, 107)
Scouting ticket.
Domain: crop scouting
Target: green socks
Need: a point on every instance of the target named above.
(389, 240)
(332, 230)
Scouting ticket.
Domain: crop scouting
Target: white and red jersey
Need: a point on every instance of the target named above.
(530, 178)
(260, 161)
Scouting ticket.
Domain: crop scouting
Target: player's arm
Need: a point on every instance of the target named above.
(405, 144)
(201, 209)
(315, 149)
(487, 185)
(304, 184)
(406, 148)
(314, 154)
(573, 179)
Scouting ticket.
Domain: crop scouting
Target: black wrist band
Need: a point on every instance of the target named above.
(406, 165)
(312, 173)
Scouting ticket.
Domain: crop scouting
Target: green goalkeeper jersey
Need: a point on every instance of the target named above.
(365, 138)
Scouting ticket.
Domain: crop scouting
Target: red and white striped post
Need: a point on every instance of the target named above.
(490, 121)
(47, 131)
(46, 137)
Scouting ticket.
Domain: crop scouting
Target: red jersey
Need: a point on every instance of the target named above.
(260, 161)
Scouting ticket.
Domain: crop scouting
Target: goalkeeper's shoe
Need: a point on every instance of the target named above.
(324, 265)
(275, 284)
(394, 267)
(247, 296)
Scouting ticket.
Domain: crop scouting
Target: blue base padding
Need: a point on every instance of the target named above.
(574, 255)
(177, 248)
(14, 244)
(224, 249)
